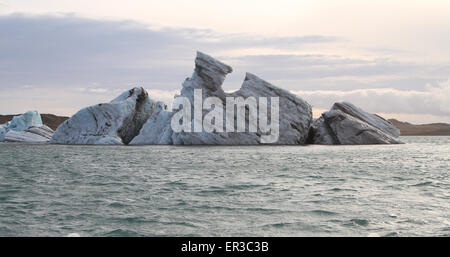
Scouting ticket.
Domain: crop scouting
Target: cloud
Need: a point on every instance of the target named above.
(163, 96)
(287, 43)
(61, 63)
(64, 50)
(435, 100)
(335, 72)
(67, 101)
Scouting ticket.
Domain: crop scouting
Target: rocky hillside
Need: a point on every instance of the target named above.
(433, 129)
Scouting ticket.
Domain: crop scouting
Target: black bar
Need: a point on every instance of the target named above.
(225, 246)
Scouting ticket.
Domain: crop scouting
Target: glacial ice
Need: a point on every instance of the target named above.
(32, 134)
(3, 130)
(209, 74)
(157, 129)
(27, 127)
(24, 121)
(134, 118)
(116, 122)
(346, 124)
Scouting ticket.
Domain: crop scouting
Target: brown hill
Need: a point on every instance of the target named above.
(433, 129)
(50, 120)
(53, 121)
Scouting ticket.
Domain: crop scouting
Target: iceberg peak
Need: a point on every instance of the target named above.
(24, 121)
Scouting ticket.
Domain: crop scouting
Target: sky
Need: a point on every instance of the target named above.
(387, 57)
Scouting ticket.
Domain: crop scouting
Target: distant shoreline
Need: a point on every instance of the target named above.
(406, 129)
(433, 129)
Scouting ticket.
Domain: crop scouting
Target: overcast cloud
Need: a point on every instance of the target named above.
(60, 63)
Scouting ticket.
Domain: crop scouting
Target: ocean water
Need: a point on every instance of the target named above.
(376, 190)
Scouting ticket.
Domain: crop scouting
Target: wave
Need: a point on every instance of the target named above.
(122, 233)
(423, 184)
(324, 212)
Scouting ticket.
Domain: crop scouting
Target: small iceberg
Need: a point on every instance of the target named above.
(27, 128)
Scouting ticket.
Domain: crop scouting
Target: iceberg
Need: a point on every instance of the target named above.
(30, 135)
(27, 127)
(133, 118)
(3, 130)
(157, 130)
(24, 121)
(295, 114)
(346, 124)
(136, 119)
(116, 122)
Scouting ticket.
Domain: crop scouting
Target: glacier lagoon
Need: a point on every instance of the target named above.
(315, 190)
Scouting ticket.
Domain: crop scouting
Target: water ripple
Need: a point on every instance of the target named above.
(57, 190)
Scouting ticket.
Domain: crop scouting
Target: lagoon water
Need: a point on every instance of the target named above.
(375, 190)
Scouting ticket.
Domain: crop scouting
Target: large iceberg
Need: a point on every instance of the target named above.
(134, 118)
(346, 124)
(27, 127)
(116, 122)
(295, 115)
